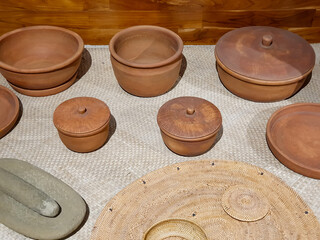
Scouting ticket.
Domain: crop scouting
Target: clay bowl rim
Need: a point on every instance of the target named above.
(172, 34)
(263, 82)
(63, 64)
(270, 140)
(17, 108)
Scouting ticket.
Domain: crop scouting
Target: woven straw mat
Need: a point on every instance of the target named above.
(135, 147)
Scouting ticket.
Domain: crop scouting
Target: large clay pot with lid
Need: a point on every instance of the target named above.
(189, 125)
(146, 60)
(82, 123)
(263, 64)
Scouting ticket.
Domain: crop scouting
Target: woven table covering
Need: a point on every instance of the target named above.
(135, 147)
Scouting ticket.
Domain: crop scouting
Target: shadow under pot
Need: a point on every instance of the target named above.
(263, 64)
(82, 123)
(146, 60)
(189, 125)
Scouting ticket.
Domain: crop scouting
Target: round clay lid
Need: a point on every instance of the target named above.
(265, 53)
(189, 118)
(81, 116)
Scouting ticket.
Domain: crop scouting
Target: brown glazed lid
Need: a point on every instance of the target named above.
(265, 53)
(189, 118)
(9, 110)
(81, 116)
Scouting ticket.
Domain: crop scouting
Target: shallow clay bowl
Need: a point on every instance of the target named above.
(9, 110)
(82, 123)
(40, 57)
(189, 126)
(146, 60)
(263, 64)
(293, 136)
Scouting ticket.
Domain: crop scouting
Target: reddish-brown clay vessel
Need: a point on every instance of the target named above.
(189, 125)
(82, 123)
(45, 92)
(40, 57)
(146, 60)
(263, 64)
(9, 110)
(293, 135)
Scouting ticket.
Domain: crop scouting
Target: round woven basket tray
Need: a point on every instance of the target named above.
(209, 199)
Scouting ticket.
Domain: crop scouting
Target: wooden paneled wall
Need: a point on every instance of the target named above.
(196, 21)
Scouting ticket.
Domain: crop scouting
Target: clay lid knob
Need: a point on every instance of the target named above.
(267, 40)
(82, 110)
(190, 111)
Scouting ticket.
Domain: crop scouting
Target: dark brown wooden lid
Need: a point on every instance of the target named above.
(81, 115)
(265, 53)
(189, 118)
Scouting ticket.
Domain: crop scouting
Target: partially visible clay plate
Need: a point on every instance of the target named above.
(9, 110)
(293, 135)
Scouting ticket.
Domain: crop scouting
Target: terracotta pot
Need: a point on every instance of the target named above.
(146, 60)
(40, 57)
(263, 64)
(189, 125)
(9, 110)
(82, 123)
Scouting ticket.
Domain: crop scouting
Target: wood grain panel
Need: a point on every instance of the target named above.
(212, 4)
(203, 35)
(316, 19)
(279, 18)
(168, 19)
(197, 21)
(101, 19)
(17, 19)
(311, 34)
(35, 5)
(96, 5)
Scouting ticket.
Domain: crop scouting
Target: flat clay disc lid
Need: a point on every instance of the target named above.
(81, 116)
(210, 199)
(9, 110)
(293, 135)
(189, 118)
(265, 53)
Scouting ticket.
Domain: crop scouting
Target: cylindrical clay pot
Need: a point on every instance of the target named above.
(146, 60)
(82, 123)
(263, 64)
(189, 125)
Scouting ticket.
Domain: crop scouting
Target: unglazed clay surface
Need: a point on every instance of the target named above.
(146, 60)
(293, 134)
(263, 64)
(40, 57)
(9, 110)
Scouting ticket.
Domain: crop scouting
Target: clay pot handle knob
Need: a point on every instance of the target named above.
(82, 110)
(190, 111)
(267, 40)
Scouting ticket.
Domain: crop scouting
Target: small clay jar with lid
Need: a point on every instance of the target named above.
(263, 64)
(82, 123)
(189, 125)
